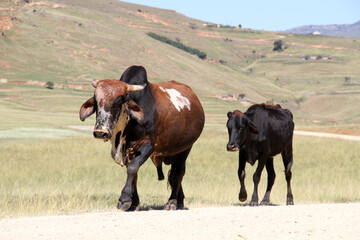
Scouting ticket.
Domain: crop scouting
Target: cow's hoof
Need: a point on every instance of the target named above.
(242, 197)
(290, 202)
(124, 206)
(180, 206)
(171, 205)
(254, 204)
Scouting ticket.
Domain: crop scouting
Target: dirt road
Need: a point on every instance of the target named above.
(321, 221)
(328, 135)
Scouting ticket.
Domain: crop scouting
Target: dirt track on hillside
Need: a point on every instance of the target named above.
(317, 221)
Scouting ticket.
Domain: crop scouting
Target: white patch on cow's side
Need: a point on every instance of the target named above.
(179, 101)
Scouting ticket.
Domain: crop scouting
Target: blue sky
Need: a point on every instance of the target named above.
(271, 15)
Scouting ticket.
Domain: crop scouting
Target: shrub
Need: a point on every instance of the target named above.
(278, 45)
(270, 102)
(347, 80)
(49, 85)
(177, 44)
(300, 100)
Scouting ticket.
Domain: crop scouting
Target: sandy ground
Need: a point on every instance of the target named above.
(316, 221)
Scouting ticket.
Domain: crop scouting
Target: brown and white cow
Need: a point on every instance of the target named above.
(142, 119)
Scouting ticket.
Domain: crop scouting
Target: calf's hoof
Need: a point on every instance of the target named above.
(254, 204)
(242, 196)
(266, 200)
(171, 205)
(124, 206)
(265, 203)
(289, 202)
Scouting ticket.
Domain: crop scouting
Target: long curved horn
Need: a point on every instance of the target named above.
(94, 83)
(134, 88)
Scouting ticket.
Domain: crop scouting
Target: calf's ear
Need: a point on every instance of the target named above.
(251, 126)
(87, 109)
(135, 111)
(229, 114)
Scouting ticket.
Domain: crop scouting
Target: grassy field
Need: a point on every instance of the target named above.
(60, 176)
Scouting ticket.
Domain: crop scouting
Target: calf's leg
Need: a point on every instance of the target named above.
(287, 157)
(271, 180)
(241, 175)
(256, 178)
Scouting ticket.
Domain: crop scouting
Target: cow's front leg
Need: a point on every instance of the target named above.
(129, 192)
(241, 175)
(256, 179)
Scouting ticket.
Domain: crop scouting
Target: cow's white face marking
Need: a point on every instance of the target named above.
(119, 153)
(105, 119)
(104, 116)
(179, 101)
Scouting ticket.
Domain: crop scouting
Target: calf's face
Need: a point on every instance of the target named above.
(239, 127)
(107, 103)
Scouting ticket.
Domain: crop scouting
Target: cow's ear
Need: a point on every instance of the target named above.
(251, 126)
(135, 111)
(87, 109)
(229, 114)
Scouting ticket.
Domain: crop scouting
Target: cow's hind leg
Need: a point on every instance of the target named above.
(271, 180)
(287, 157)
(177, 171)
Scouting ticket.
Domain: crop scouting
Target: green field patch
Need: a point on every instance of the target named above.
(38, 133)
(57, 176)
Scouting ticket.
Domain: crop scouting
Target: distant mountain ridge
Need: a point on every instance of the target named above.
(339, 30)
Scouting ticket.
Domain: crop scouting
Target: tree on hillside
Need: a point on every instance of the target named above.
(49, 85)
(178, 44)
(278, 45)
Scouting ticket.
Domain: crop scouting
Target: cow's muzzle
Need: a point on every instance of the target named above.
(102, 134)
(232, 148)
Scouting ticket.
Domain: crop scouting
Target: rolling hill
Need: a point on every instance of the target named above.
(69, 43)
